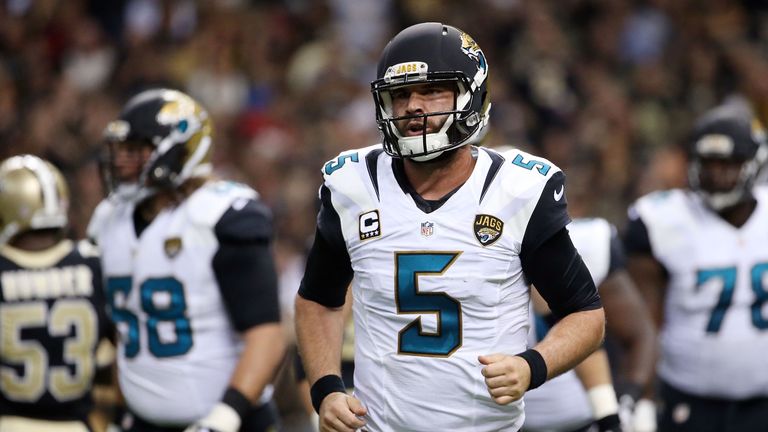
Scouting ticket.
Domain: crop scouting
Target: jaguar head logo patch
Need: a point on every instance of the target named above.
(172, 246)
(487, 229)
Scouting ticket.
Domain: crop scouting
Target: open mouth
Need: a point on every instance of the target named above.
(415, 128)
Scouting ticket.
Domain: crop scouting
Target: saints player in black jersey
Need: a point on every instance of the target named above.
(51, 304)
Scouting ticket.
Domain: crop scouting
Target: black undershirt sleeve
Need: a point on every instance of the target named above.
(328, 271)
(244, 266)
(636, 240)
(557, 271)
(618, 259)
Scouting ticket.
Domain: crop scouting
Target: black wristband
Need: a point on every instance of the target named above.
(237, 401)
(610, 423)
(538, 367)
(323, 387)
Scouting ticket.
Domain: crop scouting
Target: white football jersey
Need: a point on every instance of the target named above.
(561, 403)
(179, 348)
(714, 338)
(434, 290)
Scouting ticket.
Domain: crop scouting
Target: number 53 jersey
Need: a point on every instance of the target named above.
(178, 345)
(437, 284)
(51, 321)
(715, 334)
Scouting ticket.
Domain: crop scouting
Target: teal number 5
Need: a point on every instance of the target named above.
(412, 339)
(542, 167)
(333, 165)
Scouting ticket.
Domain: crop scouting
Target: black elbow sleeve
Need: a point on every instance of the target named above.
(559, 274)
(327, 275)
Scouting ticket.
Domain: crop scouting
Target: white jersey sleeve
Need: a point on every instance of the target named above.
(99, 219)
(592, 238)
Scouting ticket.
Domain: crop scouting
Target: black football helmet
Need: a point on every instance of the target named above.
(179, 131)
(726, 133)
(433, 52)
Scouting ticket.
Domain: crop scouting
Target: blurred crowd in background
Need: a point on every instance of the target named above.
(607, 89)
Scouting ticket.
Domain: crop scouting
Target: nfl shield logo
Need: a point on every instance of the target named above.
(427, 228)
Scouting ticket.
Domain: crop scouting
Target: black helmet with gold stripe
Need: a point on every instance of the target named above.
(174, 127)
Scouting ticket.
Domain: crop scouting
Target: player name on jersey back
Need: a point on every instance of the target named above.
(68, 281)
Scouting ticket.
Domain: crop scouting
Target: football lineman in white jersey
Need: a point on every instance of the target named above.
(700, 257)
(441, 240)
(190, 275)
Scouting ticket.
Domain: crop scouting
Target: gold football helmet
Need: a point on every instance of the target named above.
(33, 196)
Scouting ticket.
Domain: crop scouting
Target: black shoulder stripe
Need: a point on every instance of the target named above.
(496, 161)
(370, 161)
(328, 220)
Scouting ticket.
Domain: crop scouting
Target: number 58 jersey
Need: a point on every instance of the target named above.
(436, 284)
(179, 346)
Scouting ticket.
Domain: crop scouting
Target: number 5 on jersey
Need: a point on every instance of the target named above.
(412, 339)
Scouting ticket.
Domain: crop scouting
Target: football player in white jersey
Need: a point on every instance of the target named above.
(700, 257)
(562, 404)
(189, 273)
(441, 240)
(52, 311)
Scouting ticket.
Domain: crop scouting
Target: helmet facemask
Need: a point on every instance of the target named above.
(460, 127)
(751, 156)
(721, 200)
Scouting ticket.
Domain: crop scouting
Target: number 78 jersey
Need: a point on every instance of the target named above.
(435, 286)
(715, 334)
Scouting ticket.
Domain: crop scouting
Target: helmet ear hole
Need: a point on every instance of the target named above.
(164, 171)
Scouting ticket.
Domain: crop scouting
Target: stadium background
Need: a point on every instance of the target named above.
(605, 88)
